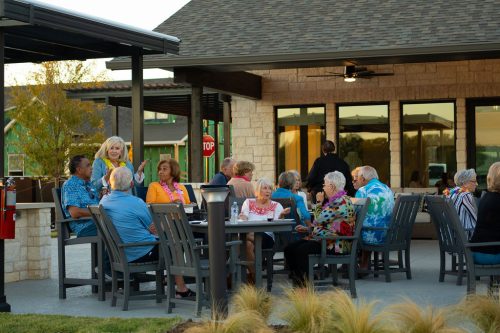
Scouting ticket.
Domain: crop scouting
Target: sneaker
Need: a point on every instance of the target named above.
(184, 294)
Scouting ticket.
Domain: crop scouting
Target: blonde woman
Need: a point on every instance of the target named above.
(113, 154)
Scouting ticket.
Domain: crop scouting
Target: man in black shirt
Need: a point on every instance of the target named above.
(327, 163)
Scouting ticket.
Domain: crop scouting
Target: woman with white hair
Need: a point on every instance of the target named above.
(112, 154)
(335, 217)
(463, 200)
(261, 208)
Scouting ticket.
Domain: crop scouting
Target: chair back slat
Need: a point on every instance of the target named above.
(441, 217)
(176, 236)
(361, 208)
(403, 218)
(109, 234)
(63, 228)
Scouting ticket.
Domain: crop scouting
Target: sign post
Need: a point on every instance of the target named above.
(208, 145)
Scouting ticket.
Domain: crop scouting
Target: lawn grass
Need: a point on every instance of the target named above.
(33, 323)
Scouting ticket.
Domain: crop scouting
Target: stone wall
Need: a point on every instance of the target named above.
(28, 255)
(253, 127)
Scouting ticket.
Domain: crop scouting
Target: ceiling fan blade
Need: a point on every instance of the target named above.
(326, 75)
(382, 74)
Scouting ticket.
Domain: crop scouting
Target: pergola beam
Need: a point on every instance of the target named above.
(242, 84)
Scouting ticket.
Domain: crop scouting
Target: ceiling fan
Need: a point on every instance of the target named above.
(351, 73)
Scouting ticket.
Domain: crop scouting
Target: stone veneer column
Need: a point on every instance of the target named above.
(395, 144)
(331, 124)
(28, 255)
(461, 143)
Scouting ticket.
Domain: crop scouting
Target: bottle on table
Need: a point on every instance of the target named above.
(234, 212)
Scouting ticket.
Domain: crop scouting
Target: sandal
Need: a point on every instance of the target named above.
(184, 294)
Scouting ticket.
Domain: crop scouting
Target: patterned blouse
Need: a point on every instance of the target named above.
(335, 219)
(463, 201)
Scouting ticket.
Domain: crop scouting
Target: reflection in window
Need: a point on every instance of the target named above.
(301, 130)
(364, 137)
(428, 143)
(487, 140)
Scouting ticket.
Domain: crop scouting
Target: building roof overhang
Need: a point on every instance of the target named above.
(36, 32)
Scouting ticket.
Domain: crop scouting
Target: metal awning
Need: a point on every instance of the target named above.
(36, 32)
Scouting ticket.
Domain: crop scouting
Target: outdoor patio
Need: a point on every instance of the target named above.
(40, 296)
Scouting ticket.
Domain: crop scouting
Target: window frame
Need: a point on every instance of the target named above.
(276, 128)
(9, 155)
(401, 133)
(371, 103)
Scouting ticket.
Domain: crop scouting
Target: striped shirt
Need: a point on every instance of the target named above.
(465, 205)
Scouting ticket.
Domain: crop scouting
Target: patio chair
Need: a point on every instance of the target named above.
(398, 238)
(120, 264)
(282, 239)
(452, 222)
(448, 241)
(350, 259)
(181, 252)
(64, 239)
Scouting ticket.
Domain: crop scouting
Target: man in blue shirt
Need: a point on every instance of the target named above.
(133, 222)
(225, 173)
(286, 181)
(77, 193)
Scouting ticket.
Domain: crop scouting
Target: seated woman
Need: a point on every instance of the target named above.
(287, 181)
(241, 180)
(463, 200)
(261, 208)
(297, 188)
(113, 154)
(488, 222)
(168, 190)
(336, 217)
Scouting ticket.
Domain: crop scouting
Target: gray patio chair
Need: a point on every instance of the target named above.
(64, 239)
(398, 238)
(448, 241)
(120, 264)
(473, 271)
(282, 239)
(181, 252)
(349, 259)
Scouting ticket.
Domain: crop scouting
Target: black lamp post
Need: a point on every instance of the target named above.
(215, 198)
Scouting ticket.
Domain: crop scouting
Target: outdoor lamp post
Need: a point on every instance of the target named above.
(215, 197)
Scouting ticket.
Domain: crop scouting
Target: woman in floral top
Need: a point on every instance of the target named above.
(335, 217)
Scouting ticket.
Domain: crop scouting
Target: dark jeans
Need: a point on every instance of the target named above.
(152, 255)
(297, 256)
(267, 241)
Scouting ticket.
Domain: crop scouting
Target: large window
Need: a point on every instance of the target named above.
(483, 144)
(364, 137)
(428, 143)
(301, 130)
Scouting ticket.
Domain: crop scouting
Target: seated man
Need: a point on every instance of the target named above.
(225, 173)
(380, 210)
(133, 222)
(286, 182)
(77, 193)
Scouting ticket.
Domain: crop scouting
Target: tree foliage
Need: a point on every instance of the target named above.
(52, 127)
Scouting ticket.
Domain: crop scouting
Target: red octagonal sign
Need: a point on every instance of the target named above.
(208, 145)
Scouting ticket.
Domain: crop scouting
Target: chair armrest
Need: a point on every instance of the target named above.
(470, 245)
(198, 240)
(374, 228)
(138, 244)
(335, 238)
(233, 243)
(67, 220)
(200, 247)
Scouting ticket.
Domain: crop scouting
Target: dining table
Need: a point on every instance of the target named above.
(242, 228)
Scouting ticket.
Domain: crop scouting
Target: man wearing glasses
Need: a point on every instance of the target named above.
(77, 193)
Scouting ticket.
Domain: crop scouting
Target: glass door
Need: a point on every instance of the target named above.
(483, 136)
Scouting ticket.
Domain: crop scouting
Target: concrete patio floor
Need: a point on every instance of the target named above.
(41, 296)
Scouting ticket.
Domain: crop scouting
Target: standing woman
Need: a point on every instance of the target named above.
(113, 154)
(168, 189)
(463, 200)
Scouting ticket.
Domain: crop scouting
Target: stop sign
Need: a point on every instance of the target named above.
(208, 145)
